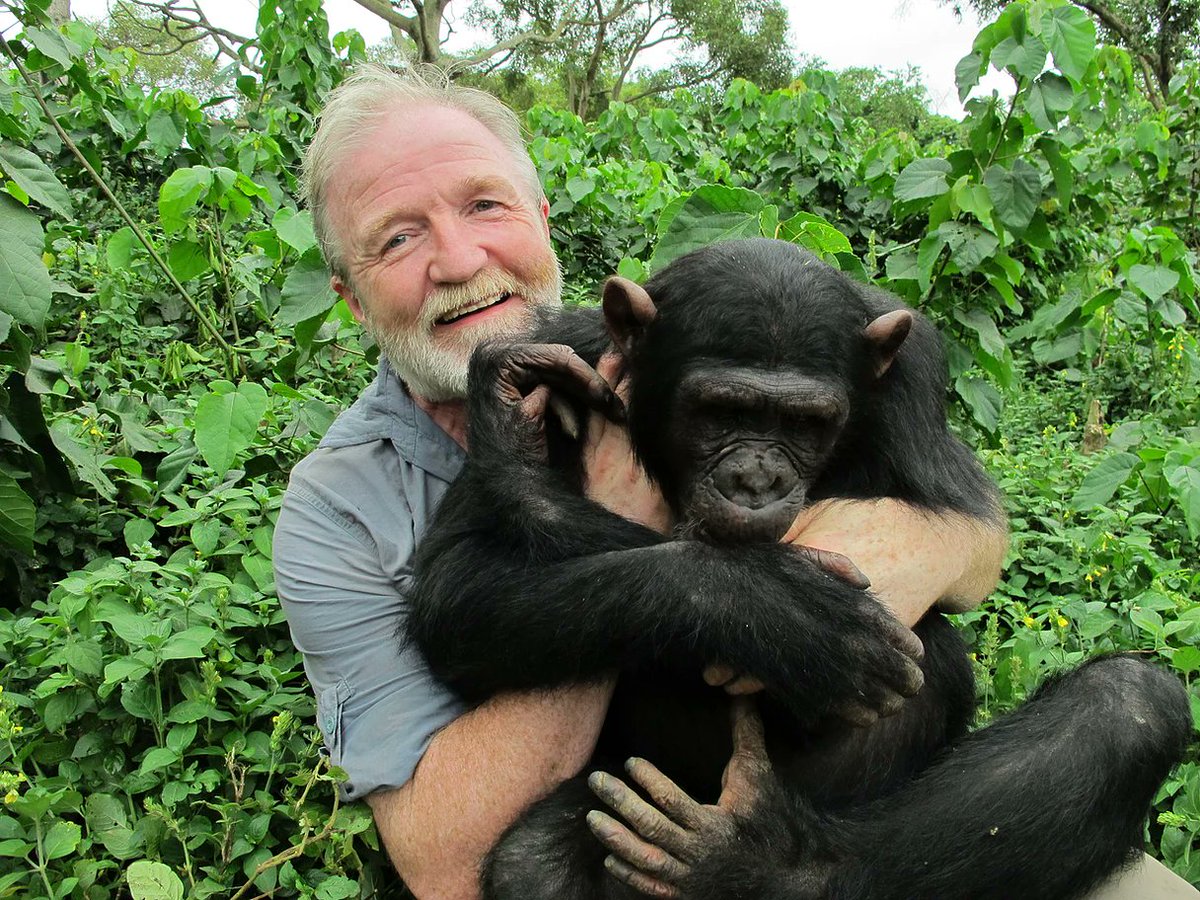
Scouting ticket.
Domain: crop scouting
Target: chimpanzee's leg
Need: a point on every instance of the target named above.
(549, 854)
(1043, 804)
(846, 764)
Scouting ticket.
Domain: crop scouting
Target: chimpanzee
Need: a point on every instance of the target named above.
(762, 380)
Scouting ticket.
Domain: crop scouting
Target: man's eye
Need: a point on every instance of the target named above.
(397, 241)
(485, 205)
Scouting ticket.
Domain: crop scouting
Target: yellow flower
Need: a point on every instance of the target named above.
(1062, 622)
(11, 797)
(1028, 620)
(16, 729)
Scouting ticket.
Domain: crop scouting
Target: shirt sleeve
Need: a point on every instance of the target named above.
(344, 595)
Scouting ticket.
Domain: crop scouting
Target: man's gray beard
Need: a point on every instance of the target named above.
(438, 374)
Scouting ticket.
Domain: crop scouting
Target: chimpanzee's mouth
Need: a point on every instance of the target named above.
(487, 303)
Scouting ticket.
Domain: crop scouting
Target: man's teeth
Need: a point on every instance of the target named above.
(475, 307)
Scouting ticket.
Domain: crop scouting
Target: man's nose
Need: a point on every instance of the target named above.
(457, 255)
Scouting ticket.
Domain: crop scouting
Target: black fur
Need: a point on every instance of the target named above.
(522, 583)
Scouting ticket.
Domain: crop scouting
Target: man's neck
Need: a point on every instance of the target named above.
(448, 415)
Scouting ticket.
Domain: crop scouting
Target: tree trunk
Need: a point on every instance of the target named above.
(60, 11)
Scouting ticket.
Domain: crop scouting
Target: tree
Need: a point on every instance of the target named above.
(601, 42)
(1160, 34)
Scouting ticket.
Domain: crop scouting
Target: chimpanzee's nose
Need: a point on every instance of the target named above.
(754, 477)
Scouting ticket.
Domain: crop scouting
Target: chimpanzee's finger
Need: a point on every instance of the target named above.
(748, 736)
(626, 874)
(718, 674)
(837, 564)
(533, 405)
(744, 686)
(650, 823)
(627, 846)
(526, 365)
(856, 713)
(742, 779)
(669, 796)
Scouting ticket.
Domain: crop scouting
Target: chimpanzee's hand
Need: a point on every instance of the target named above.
(510, 387)
(677, 834)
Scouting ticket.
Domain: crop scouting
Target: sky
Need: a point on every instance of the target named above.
(890, 34)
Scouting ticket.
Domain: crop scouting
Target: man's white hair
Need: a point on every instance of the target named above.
(368, 95)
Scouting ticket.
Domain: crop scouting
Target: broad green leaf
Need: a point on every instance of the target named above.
(140, 699)
(125, 668)
(981, 323)
(922, 178)
(35, 178)
(158, 758)
(172, 471)
(1185, 485)
(1102, 482)
(815, 234)
(153, 881)
(306, 290)
(710, 214)
(163, 132)
(84, 657)
(25, 285)
(336, 887)
(1025, 57)
(65, 706)
(188, 260)
(53, 45)
(17, 515)
(1130, 309)
(1050, 98)
(188, 644)
(1071, 36)
(295, 229)
(106, 821)
(967, 74)
(1015, 193)
(982, 399)
(61, 840)
(138, 532)
(969, 245)
(180, 737)
(578, 187)
(120, 247)
(226, 424)
(179, 193)
(1153, 281)
(128, 625)
(205, 535)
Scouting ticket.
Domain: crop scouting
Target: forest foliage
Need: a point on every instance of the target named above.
(169, 348)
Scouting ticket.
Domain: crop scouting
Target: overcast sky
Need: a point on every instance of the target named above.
(887, 33)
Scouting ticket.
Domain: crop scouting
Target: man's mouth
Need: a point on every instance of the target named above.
(478, 306)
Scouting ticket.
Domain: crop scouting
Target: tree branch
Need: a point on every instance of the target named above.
(1132, 41)
(391, 15)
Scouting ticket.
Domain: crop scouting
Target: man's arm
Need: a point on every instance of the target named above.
(914, 558)
(478, 774)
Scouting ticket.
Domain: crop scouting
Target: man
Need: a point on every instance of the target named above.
(431, 217)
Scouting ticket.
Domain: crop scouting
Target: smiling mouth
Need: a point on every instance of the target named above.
(487, 303)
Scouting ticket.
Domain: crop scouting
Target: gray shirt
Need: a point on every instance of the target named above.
(354, 511)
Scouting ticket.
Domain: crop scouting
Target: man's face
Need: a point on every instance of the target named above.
(443, 243)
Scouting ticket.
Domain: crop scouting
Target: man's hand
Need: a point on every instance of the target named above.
(914, 558)
(615, 479)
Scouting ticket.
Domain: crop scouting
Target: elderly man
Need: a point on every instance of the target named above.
(431, 217)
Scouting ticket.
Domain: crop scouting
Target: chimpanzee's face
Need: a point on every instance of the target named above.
(747, 445)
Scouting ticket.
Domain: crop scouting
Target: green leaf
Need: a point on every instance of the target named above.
(710, 214)
(172, 471)
(1185, 486)
(65, 706)
(84, 657)
(295, 228)
(188, 644)
(1025, 57)
(1102, 482)
(125, 668)
(205, 536)
(336, 887)
(306, 291)
(163, 132)
(120, 248)
(1131, 309)
(53, 45)
(25, 285)
(106, 820)
(153, 881)
(981, 323)
(969, 244)
(1015, 193)
(17, 516)
(179, 193)
(967, 74)
(1153, 281)
(138, 532)
(578, 188)
(982, 399)
(36, 179)
(922, 178)
(1071, 35)
(226, 424)
(61, 840)
(188, 260)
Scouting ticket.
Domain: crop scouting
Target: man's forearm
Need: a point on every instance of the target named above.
(478, 774)
(915, 558)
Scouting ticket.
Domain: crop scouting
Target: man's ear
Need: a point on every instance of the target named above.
(628, 309)
(346, 292)
(886, 334)
(544, 208)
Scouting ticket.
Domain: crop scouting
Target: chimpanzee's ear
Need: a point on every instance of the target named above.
(628, 309)
(887, 333)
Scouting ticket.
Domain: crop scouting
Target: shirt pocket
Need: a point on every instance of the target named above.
(331, 709)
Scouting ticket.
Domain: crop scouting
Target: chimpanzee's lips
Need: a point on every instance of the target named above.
(477, 306)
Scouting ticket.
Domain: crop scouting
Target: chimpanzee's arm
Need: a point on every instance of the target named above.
(522, 583)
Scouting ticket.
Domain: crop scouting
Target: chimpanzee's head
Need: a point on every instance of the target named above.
(747, 360)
